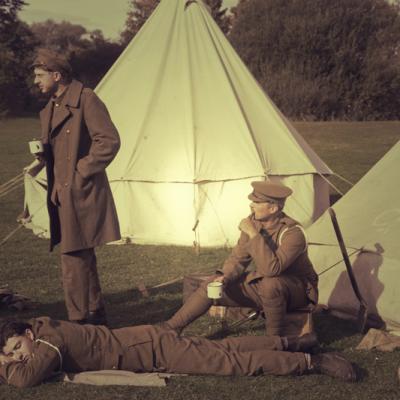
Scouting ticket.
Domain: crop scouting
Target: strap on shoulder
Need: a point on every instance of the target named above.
(295, 226)
(54, 348)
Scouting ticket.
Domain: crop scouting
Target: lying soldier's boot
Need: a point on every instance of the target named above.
(334, 365)
(302, 344)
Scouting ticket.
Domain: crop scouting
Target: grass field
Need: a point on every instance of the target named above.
(350, 149)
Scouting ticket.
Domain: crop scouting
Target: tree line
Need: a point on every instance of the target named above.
(317, 60)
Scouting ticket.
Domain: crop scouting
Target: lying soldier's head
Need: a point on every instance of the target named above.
(16, 339)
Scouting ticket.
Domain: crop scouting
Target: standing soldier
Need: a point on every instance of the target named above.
(79, 141)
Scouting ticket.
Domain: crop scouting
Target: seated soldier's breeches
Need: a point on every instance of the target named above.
(290, 288)
(276, 296)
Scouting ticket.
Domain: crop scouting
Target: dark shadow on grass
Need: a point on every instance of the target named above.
(54, 310)
(330, 328)
(131, 308)
(124, 308)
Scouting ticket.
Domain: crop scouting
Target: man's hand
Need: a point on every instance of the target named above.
(4, 359)
(246, 225)
(35, 167)
(40, 157)
(220, 278)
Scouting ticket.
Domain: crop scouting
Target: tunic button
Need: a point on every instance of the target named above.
(68, 131)
(57, 105)
(65, 184)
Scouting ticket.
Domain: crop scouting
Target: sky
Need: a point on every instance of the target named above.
(106, 15)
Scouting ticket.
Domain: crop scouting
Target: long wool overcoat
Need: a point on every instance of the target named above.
(86, 216)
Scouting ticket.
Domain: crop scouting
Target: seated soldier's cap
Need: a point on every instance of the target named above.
(267, 191)
(51, 61)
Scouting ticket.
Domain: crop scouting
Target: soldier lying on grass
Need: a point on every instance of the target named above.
(33, 352)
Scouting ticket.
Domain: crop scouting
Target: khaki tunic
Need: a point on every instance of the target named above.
(79, 142)
(61, 345)
(280, 250)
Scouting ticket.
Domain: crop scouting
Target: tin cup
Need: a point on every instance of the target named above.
(214, 290)
(36, 146)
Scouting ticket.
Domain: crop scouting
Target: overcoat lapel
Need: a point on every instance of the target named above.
(60, 116)
(71, 99)
(73, 95)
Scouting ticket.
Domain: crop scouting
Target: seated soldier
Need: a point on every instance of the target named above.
(284, 278)
(32, 352)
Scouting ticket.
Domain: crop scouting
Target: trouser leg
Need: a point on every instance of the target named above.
(195, 306)
(277, 295)
(80, 282)
(196, 355)
(251, 343)
(198, 303)
(95, 296)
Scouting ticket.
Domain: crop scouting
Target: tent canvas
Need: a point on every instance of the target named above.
(369, 218)
(196, 129)
(35, 215)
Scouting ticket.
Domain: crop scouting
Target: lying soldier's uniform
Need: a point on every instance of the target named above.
(68, 347)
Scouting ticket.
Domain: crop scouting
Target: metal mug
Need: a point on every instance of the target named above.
(214, 290)
(36, 146)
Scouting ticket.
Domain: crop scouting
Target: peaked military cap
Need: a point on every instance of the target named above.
(267, 191)
(51, 61)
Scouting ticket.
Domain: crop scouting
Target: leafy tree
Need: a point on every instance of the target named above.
(8, 13)
(323, 59)
(142, 9)
(93, 63)
(16, 44)
(62, 37)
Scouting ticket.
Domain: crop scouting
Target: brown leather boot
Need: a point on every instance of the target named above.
(97, 317)
(334, 365)
(195, 306)
(303, 344)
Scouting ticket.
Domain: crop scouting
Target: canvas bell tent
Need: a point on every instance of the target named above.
(196, 129)
(369, 218)
(35, 216)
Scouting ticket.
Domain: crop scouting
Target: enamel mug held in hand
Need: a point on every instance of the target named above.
(214, 290)
(36, 146)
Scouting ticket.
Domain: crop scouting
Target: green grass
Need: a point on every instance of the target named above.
(350, 149)
(26, 266)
